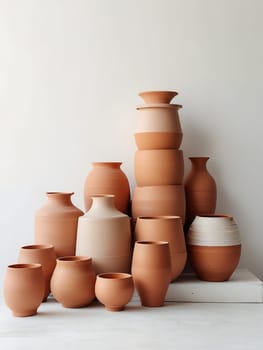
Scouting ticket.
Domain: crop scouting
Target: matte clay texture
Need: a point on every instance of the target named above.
(158, 140)
(114, 290)
(158, 96)
(108, 178)
(56, 223)
(151, 271)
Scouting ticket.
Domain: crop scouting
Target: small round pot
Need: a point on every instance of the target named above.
(159, 167)
(158, 140)
(114, 290)
(24, 288)
(214, 264)
(158, 96)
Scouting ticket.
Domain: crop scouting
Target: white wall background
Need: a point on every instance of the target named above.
(70, 72)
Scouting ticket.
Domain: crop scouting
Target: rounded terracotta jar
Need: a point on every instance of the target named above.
(214, 247)
(151, 271)
(24, 288)
(114, 290)
(73, 281)
(158, 126)
(56, 223)
(158, 96)
(105, 234)
(165, 228)
(159, 167)
(42, 254)
(200, 190)
(158, 201)
(107, 177)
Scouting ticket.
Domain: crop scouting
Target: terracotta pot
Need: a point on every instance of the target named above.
(104, 233)
(42, 254)
(165, 228)
(159, 167)
(73, 281)
(214, 264)
(56, 223)
(200, 190)
(158, 96)
(114, 290)
(151, 271)
(159, 201)
(24, 288)
(108, 178)
(158, 140)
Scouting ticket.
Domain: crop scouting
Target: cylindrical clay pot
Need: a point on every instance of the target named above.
(104, 233)
(56, 223)
(108, 178)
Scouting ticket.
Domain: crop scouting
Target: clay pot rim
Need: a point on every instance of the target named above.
(54, 193)
(114, 276)
(160, 105)
(152, 243)
(216, 216)
(38, 247)
(73, 258)
(116, 164)
(157, 217)
(214, 246)
(103, 195)
(25, 266)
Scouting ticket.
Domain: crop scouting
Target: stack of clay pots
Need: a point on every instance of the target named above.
(159, 164)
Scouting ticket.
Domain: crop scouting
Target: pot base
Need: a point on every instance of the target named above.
(115, 308)
(24, 314)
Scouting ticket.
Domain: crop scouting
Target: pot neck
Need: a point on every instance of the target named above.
(113, 165)
(100, 202)
(60, 197)
(199, 162)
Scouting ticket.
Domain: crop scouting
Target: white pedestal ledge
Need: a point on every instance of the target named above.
(243, 287)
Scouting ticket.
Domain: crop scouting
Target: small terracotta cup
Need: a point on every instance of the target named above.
(41, 254)
(24, 287)
(158, 96)
(114, 290)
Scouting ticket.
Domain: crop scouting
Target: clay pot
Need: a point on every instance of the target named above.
(159, 167)
(56, 223)
(214, 264)
(73, 281)
(151, 271)
(158, 126)
(200, 190)
(42, 254)
(104, 233)
(108, 178)
(158, 96)
(159, 201)
(165, 228)
(114, 290)
(24, 288)
(214, 247)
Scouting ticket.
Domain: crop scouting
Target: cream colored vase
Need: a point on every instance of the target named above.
(104, 233)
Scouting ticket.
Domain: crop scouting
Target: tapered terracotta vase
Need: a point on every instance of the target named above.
(24, 288)
(214, 247)
(151, 271)
(56, 223)
(165, 228)
(158, 96)
(104, 233)
(42, 254)
(159, 167)
(73, 281)
(108, 178)
(200, 190)
(114, 290)
(158, 201)
(158, 126)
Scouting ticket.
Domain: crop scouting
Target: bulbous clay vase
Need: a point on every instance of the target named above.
(56, 223)
(200, 190)
(214, 247)
(24, 288)
(158, 96)
(159, 201)
(114, 290)
(108, 178)
(73, 281)
(158, 126)
(159, 167)
(105, 234)
(42, 254)
(165, 228)
(151, 271)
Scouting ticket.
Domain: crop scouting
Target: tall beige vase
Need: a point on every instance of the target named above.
(104, 233)
(56, 223)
